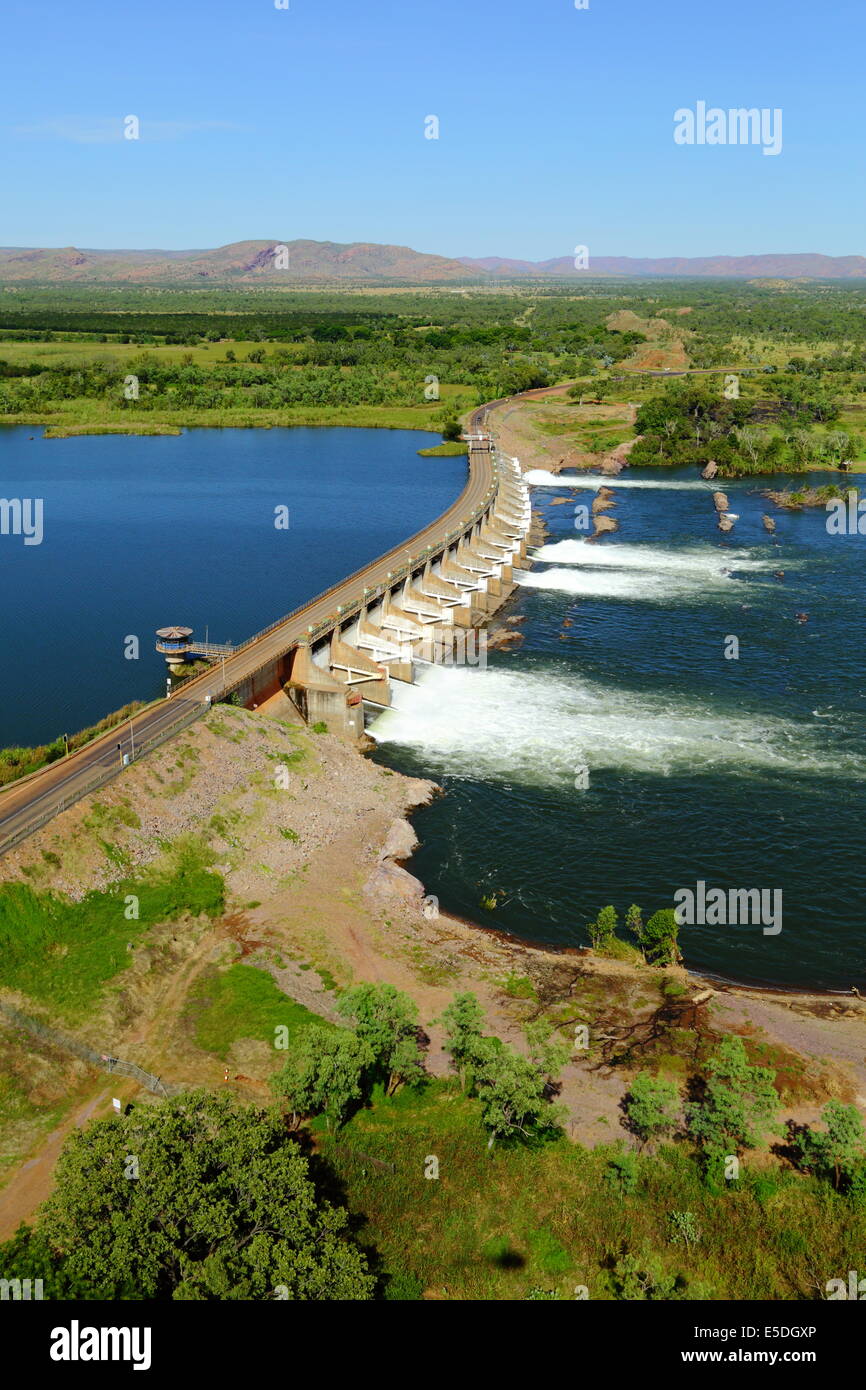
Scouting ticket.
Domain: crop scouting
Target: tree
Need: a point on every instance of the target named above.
(512, 1094)
(739, 1106)
(603, 930)
(621, 1174)
(197, 1198)
(652, 1106)
(634, 921)
(387, 1021)
(405, 1067)
(326, 1072)
(463, 1019)
(840, 1150)
(28, 1255)
(635, 1279)
(684, 1229)
(452, 430)
(513, 1090)
(659, 938)
(549, 1056)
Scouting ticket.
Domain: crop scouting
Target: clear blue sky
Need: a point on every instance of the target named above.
(556, 124)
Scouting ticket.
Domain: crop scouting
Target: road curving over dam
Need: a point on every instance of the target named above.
(339, 652)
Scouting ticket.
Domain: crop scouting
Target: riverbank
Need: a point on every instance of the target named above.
(70, 421)
(317, 898)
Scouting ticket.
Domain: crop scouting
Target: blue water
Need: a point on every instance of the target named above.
(144, 532)
(743, 772)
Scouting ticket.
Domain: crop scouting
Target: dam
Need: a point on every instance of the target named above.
(338, 656)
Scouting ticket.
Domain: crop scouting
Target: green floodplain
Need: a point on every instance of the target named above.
(157, 360)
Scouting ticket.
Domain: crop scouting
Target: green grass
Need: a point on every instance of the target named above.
(494, 1226)
(140, 427)
(243, 1002)
(62, 953)
(448, 449)
(519, 987)
(97, 415)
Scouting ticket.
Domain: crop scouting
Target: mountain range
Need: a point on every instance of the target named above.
(274, 263)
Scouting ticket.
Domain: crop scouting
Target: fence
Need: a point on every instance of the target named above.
(115, 1065)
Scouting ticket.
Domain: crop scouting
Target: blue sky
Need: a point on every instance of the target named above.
(556, 125)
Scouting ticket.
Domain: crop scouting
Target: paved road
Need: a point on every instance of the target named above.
(51, 789)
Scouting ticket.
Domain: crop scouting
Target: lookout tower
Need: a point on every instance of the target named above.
(174, 644)
(177, 646)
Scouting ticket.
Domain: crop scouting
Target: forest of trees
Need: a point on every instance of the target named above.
(274, 353)
(199, 1197)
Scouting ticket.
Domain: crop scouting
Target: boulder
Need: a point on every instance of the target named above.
(604, 499)
(502, 639)
(388, 880)
(602, 525)
(614, 462)
(720, 501)
(769, 523)
(725, 523)
(401, 842)
(710, 470)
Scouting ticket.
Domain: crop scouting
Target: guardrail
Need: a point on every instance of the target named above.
(102, 776)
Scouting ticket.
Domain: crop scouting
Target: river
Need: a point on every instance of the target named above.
(741, 772)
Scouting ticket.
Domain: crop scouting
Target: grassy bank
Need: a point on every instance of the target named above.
(449, 449)
(242, 1002)
(542, 1222)
(87, 416)
(61, 953)
(72, 431)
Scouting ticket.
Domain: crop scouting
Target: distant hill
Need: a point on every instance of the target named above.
(807, 265)
(243, 262)
(255, 262)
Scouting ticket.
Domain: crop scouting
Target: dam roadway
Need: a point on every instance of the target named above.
(29, 803)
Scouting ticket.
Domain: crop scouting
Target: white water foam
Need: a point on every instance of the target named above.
(540, 729)
(540, 477)
(700, 561)
(633, 585)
